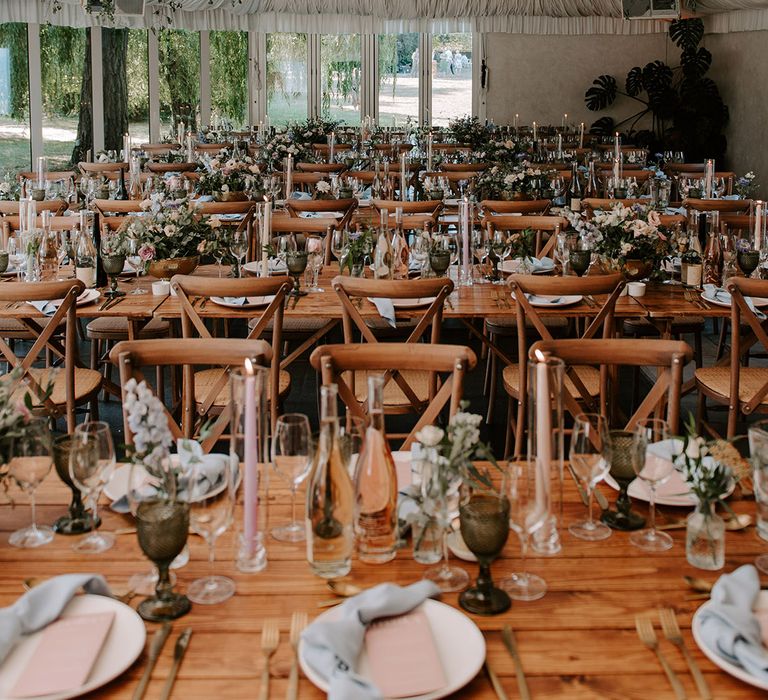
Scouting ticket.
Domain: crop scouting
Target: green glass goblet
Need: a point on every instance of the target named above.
(579, 261)
(748, 261)
(162, 528)
(484, 523)
(623, 518)
(113, 266)
(440, 261)
(296, 262)
(78, 520)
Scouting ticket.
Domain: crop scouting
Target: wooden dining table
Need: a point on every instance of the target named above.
(577, 642)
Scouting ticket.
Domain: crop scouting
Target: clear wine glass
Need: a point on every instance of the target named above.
(30, 460)
(211, 512)
(527, 514)
(420, 251)
(92, 462)
(238, 246)
(16, 256)
(758, 450)
(654, 467)
(562, 251)
(590, 459)
(292, 453)
(339, 243)
(135, 262)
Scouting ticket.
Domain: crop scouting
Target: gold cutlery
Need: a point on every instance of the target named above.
(495, 682)
(203, 303)
(589, 301)
(508, 637)
(158, 640)
(672, 633)
(602, 501)
(592, 300)
(182, 642)
(299, 621)
(270, 640)
(647, 636)
(114, 302)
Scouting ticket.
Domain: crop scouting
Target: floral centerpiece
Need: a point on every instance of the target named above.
(312, 131)
(628, 238)
(231, 179)
(361, 245)
(746, 186)
(468, 130)
(10, 190)
(171, 235)
(279, 147)
(511, 182)
(505, 153)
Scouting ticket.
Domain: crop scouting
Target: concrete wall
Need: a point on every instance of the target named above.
(541, 77)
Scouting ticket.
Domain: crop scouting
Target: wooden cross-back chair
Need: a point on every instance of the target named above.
(368, 176)
(404, 391)
(500, 206)
(305, 182)
(101, 168)
(601, 321)
(731, 382)
(209, 386)
(53, 205)
(732, 206)
(69, 385)
(132, 355)
(337, 362)
(324, 168)
(305, 227)
(347, 207)
(540, 224)
(161, 168)
(455, 178)
(11, 225)
(213, 148)
(669, 356)
(464, 167)
(416, 215)
(117, 206)
(50, 175)
(244, 209)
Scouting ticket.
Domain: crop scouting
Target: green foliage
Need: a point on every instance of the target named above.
(13, 35)
(180, 76)
(340, 70)
(285, 53)
(62, 52)
(138, 75)
(229, 76)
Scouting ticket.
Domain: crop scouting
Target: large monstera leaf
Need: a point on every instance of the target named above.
(634, 83)
(601, 94)
(657, 77)
(602, 127)
(686, 33)
(695, 63)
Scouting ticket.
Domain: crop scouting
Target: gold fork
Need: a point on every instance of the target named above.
(270, 640)
(298, 623)
(672, 633)
(648, 637)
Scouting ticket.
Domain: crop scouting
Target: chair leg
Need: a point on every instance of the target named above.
(698, 354)
(491, 393)
(508, 433)
(721, 340)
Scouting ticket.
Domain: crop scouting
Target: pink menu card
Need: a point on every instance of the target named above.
(403, 657)
(64, 655)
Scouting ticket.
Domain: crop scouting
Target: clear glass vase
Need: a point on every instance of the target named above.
(427, 542)
(705, 538)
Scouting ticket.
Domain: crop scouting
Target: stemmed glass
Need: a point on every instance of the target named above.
(162, 525)
(77, 521)
(484, 522)
(238, 246)
(623, 473)
(527, 513)
(579, 260)
(133, 259)
(758, 449)
(211, 512)
(31, 458)
(296, 262)
(436, 492)
(292, 453)
(339, 243)
(562, 251)
(748, 261)
(16, 255)
(590, 460)
(654, 468)
(92, 461)
(420, 252)
(314, 265)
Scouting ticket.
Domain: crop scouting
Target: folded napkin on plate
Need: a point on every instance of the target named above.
(676, 210)
(385, 308)
(719, 294)
(239, 301)
(728, 625)
(301, 195)
(332, 648)
(205, 198)
(536, 299)
(42, 604)
(45, 307)
(731, 196)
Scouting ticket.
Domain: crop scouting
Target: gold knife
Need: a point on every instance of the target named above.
(508, 637)
(602, 501)
(182, 642)
(495, 682)
(158, 640)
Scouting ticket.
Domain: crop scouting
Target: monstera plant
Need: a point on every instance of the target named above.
(685, 108)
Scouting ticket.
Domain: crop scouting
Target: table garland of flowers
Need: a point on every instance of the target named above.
(233, 175)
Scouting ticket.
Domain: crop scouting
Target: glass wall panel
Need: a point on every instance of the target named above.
(179, 79)
(229, 78)
(286, 77)
(451, 77)
(340, 59)
(64, 52)
(14, 100)
(398, 78)
(137, 70)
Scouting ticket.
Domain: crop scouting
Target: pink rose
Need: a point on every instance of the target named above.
(147, 252)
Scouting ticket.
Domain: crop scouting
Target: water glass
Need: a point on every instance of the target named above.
(758, 448)
(292, 454)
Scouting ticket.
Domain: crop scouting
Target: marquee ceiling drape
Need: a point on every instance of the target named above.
(393, 16)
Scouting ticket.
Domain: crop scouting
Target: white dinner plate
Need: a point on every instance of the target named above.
(673, 492)
(275, 267)
(730, 668)
(250, 302)
(122, 647)
(321, 214)
(545, 266)
(89, 296)
(412, 303)
(758, 302)
(458, 547)
(460, 647)
(553, 300)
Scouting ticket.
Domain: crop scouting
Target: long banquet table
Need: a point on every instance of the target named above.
(578, 642)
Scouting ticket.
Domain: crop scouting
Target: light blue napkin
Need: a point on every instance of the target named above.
(205, 198)
(719, 294)
(676, 210)
(731, 196)
(301, 195)
(385, 308)
(238, 301)
(535, 299)
(42, 605)
(332, 648)
(728, 626)
(45, 307)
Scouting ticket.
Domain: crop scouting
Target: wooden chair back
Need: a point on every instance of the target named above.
(192, 324)
(323, 227)
(432, 206)
(212, 148)
(451, 362)
(171, 167)
(539, 224)
(323, 149)
(675, 168)
(500, 206)
(324, 168)
(305, 182)
(669, 356)
(737, 222)
(11, 225)
(296, 207)
(160, 148)
(101, 168)
(50, 175)
(57, 206)
(731, 206)
(45, 338)
(117, 206)
(131, 356)
(368, 176)
(464, 167)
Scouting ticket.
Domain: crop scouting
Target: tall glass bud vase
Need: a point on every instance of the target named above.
(249, 452)
(465, 242)
(546, 375)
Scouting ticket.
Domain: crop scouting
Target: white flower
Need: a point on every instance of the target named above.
(696, 448)
(323, 186)
(653, 218)
(430, 435)
(225, 188)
